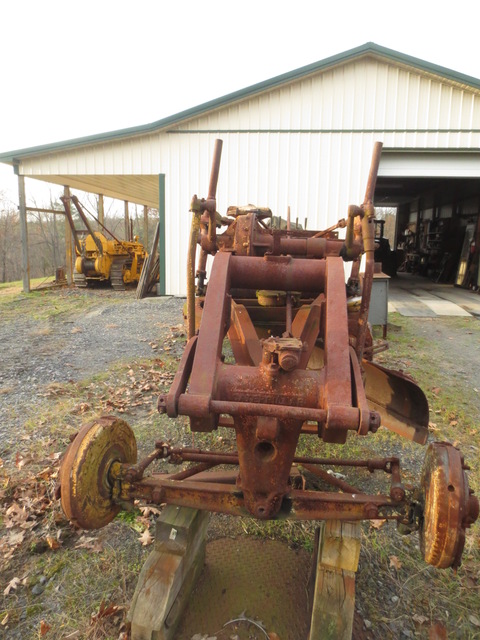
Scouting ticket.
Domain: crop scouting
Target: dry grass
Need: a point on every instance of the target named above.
(87, 590)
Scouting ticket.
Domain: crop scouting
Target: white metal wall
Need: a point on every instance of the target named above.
(306, 145)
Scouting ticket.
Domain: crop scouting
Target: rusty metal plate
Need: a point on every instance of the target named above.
(263, 579)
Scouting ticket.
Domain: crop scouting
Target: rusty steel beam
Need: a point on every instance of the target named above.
(297, 505)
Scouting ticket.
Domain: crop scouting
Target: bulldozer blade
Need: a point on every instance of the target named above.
(401, 403)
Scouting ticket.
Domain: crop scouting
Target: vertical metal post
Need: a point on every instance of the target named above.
(127, 222)
(145, 228)
(68, 243)
(24, 232)
(161, 239)
(101, 210)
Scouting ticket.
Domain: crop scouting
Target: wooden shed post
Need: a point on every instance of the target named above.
(101, 210)
(68, 243)
(145, 227)
(24, 232)
(127, 222)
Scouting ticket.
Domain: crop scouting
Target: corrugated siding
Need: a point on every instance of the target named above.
(366, 94)
(306, 145)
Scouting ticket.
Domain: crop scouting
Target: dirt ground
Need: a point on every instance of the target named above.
(70, 354)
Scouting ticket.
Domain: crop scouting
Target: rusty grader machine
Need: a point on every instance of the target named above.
(99, 259)
(297, 364)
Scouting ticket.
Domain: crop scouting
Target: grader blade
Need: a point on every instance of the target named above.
(401, 404)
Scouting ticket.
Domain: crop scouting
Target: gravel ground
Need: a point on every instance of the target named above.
(114, 328)
(36, 353)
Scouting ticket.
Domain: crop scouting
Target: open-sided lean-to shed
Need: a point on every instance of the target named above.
(302, 139)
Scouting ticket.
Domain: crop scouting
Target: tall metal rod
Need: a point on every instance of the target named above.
(192, 252)
(127, 221)
(68, 240)
(101, 209)
(212, 190)
(368, 233)
(145, 225)
(372, 176)
(85, 221)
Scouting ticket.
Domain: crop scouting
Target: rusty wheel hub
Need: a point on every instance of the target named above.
(449, 506)
(86, 492)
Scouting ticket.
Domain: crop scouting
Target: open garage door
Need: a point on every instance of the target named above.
(436, 196)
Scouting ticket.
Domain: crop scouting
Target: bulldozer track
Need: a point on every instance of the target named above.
(116, 274)
(80, 280)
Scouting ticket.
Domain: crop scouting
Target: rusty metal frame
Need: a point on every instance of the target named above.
(219, 492)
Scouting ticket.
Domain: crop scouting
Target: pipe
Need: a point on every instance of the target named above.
(192, 250)
(212, 191)
(84, 218)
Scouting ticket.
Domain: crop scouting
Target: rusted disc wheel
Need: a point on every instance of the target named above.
(447, 506)
(86, 493)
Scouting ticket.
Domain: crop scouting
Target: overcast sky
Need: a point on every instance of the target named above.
(73, 68)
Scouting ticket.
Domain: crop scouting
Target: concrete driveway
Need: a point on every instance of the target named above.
(412, 295)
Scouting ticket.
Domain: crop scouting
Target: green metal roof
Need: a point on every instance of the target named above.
(369, 48)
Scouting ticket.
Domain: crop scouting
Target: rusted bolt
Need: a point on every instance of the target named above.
(397, 494)
(472, 510)
(374, 421)
(162, 404)
(165, 448)
(371, 511)
(157, 496)
(288, 360)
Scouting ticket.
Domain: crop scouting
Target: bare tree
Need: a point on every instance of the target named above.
(10, 255)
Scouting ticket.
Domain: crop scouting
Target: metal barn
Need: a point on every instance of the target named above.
(302, 140)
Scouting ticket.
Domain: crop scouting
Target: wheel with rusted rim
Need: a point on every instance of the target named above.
(85, 489)
(449, 507)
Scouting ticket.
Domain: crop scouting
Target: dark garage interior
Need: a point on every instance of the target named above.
(437, 228)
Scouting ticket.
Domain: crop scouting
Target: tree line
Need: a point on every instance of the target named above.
(46, 234)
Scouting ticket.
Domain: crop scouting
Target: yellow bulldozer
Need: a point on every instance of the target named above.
(100, 259)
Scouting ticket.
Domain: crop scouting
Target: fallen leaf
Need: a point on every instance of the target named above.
(11, 586)
(377, 524)
(53, 543)
(15, 515)
(436, 390)
(21, 461)
(146, 538)
(81, 408)
(395, 562)
(474, 620)
(437, 632)
(453, 423)
(15, 538)
(419, 619)
(89, 543)
(44, 628)
(147, 511)
(105, 611)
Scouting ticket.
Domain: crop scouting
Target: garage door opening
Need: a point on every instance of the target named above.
(437, 226)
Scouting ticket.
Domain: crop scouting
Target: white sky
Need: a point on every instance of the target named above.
(73, 68)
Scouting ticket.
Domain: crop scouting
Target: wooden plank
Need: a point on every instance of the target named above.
(340, 545)
(334, 594)
(169, 574)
